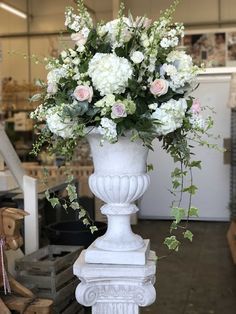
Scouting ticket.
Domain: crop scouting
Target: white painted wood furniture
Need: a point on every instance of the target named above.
(29, 187)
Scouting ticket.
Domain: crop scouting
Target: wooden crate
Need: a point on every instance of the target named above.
(50, 270)
(27, 305)
(231, 237)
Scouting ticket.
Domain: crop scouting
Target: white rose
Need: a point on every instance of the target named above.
(63, 54)
(137, 57)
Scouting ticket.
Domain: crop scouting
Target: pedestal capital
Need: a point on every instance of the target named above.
(115, 288)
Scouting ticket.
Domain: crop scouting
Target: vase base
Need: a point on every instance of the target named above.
(94, 255)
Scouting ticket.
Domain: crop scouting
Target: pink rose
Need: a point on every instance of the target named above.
(159, 87)
(79, 38)
(118, 110)
(196, 106)
(52, 88)
(83, 92)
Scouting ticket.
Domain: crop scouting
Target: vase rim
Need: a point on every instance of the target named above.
(94, 130)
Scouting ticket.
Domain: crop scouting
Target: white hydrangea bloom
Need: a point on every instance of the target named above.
(108, 129)
(180, 69)
(109, 73)
(170, 115)
(56, 74)
(112, 29)
(58, 125)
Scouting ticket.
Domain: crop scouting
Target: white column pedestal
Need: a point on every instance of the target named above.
(115, 289)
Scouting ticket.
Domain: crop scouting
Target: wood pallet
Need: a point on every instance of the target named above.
(231, 237)
(50, 270)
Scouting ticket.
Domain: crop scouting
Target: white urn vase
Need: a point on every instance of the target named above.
(119, 179)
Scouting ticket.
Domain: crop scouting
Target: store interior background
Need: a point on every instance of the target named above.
(43, 35)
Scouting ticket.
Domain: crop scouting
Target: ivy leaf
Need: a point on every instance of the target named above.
(54, 201)
(196, 164)
(70, 178)
(191, 189)
(93, 229)
(172, 243)
(175, 184)
(71, 190)
(82, 213)
(193, 211)
(75, 205)
(150, 167)
(188, 235)
(173, 226)
(86, 222)
(176, 173)
(178, 213)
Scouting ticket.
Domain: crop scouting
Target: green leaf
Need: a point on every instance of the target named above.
(150, 167)
(191, 189)
(82, 213)
(173, 226)
(93, 229)
(71, 190)
(196, 164)
(120, 52)
(75, 205)
(86, 222)
(178, 213)
(54, 201)
(175, 184)
(176, 173)
(188, 235)
(172, 243)
(35, 97)
(193, 211)
(65, 206)
(69, 178)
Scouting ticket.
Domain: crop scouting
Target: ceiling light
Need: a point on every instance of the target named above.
(12, 10)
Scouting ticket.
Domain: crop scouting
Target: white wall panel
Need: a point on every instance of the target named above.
(214, 178)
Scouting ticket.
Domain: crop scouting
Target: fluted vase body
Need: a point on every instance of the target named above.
(119, 179)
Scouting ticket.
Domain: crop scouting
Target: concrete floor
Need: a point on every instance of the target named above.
(200, 278)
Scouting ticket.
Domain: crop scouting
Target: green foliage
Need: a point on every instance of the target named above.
(150, 167)
(188, 235)
(172, 243)
(178, 213)
(191, 189)
(193, 211)
(71, 190)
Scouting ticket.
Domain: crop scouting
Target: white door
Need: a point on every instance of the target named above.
(213, 180)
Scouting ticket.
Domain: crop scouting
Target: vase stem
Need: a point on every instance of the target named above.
(119, 235)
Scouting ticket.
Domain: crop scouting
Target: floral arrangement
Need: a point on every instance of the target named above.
(127, 74)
